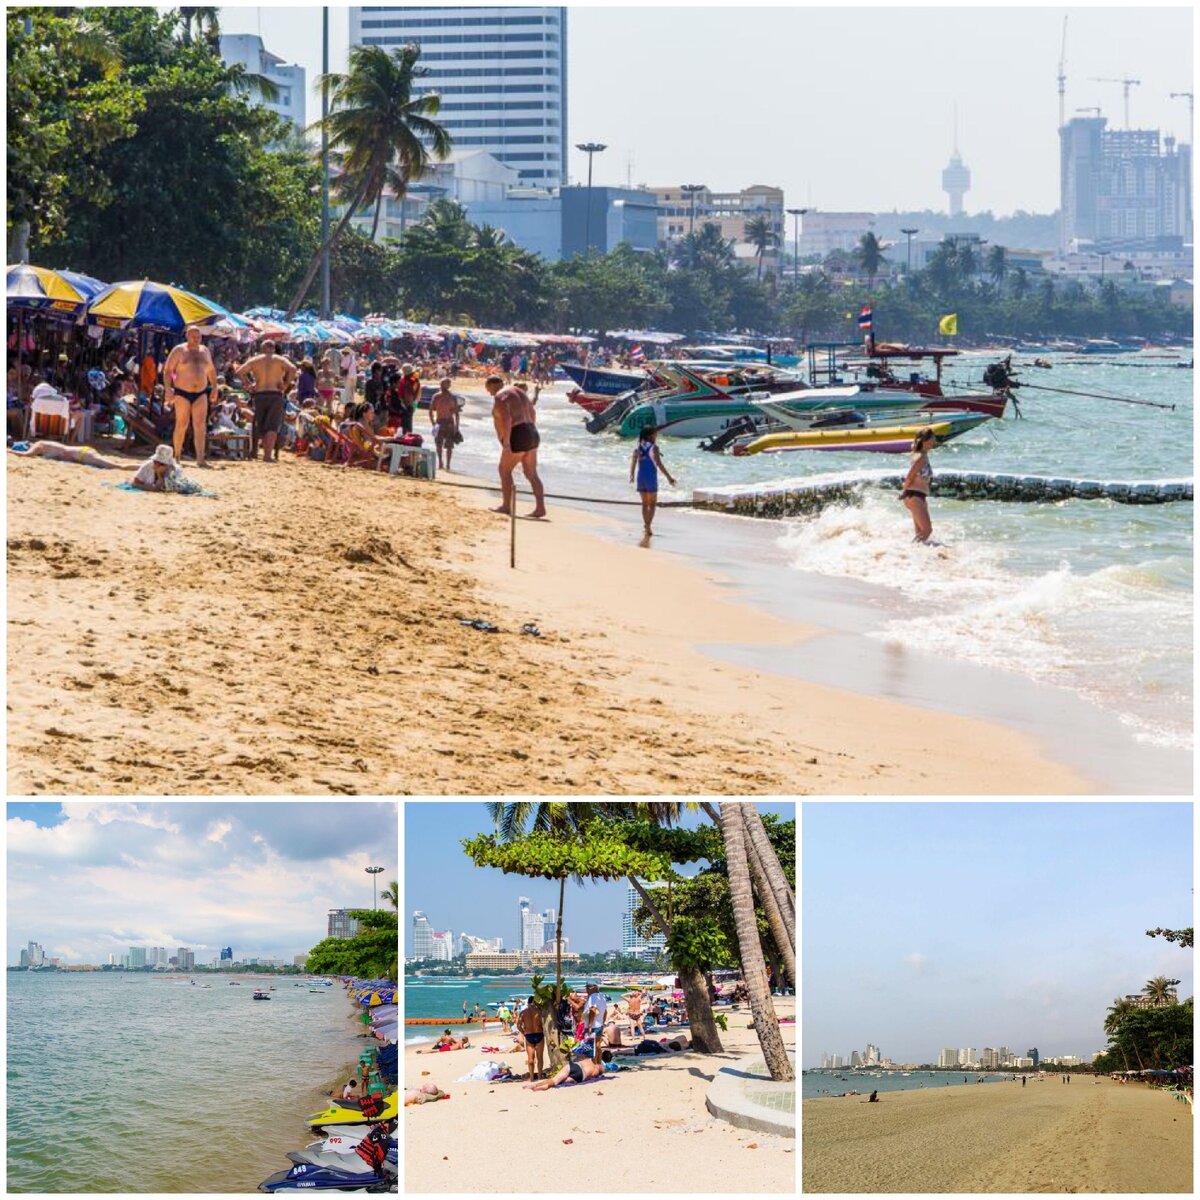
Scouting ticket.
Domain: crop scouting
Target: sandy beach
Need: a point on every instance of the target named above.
(302, 633)
(1045, 1137)
(645, 1129)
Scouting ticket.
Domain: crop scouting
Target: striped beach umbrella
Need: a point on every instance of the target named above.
(143, 304)
(41, 289)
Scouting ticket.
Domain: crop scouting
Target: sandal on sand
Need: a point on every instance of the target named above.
(531, 629)
(480, 624)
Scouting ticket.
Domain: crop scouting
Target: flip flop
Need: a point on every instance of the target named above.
(531, 629)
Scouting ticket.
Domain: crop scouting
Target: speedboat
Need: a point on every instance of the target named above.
(260, 995)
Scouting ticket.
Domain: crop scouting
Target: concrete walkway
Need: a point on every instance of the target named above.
(747, 1096)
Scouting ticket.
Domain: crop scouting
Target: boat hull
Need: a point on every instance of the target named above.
(603, 381)
(893, 439)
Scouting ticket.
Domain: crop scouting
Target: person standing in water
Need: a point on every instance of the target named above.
(915, 489)
(646, 463)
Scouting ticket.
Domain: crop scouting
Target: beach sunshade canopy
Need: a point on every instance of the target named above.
(41, 289)
(143, 304)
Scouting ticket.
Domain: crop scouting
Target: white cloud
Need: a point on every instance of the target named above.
(918, 962)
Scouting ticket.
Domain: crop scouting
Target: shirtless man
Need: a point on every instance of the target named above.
(273, 375)
(443, 413)
(515, 419)
(579, 1070)
(191, 382)
(529, 1022)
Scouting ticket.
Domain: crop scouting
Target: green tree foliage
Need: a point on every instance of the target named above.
(1148, 1038)
(373, 953)
(1182, 936)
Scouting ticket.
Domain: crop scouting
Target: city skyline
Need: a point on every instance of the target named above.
(90, 878)
(658, 134)
(437, 866)
(926, 925)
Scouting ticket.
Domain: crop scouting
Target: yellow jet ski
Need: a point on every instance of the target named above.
(341, 1114)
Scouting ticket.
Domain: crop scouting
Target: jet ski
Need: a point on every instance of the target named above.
(340, 1114)
(309, 1177)
(346, 1157)
(353, 1133)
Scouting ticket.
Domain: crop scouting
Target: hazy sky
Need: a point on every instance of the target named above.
(977, 924)
(87, 879)
(441, 881)
(844, 108)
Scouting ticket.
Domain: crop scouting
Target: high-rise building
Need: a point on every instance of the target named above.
(227, 954)
(968, 1056)
(549, 927)
(1005, 1053)
(24, 957)
(247, 51)
(633, 942)
(1033, 1054)
(187, 958)
(442, 946)
(522, 920)
(422, 936)
(469, 944)
(137, 957)
(855, 1058)
(112, 960)
(341, 924)
(872, 1055)
(948, 1057)
(825, 1062)
(501, 74)
(1119, 186)
(989, 1059)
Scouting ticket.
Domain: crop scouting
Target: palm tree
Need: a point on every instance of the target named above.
(761, 234)
(967, 261)
(997, 264)
(391, 894)
(207, 22)
(378, 124)
(1020, 283)
(869, 254)
(1159, 990)
(754, 970)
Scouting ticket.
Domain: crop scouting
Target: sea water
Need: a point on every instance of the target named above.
(818, 1086)
(444, 998)
(135, 1083)
(1091, 595)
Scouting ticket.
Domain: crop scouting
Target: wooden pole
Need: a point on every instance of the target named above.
(512, 528)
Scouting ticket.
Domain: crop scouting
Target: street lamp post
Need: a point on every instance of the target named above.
(325, 307)
(691, 189)
(373, 871)
(590, 149)
(796, 214)
(908, 233)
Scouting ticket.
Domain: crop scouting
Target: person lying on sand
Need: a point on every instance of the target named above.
(424, 1094)
(88, 456)
(447, 1042)
(584, 1068)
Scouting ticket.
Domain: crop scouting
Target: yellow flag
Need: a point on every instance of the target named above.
(948, 324)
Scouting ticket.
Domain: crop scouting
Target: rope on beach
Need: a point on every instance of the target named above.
(488, 487)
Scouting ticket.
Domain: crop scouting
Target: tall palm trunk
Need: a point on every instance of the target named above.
(705, 1036)
(311, 273)
(766, 1023)
(785, 897)
(562, 886)
(378, 211)
(779, 934)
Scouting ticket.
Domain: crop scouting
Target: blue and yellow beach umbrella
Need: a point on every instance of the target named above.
(39, 289)
(138, 304)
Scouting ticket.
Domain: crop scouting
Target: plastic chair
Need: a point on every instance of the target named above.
(50, 417)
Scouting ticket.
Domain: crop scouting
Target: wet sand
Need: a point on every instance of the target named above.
(1046, 1137)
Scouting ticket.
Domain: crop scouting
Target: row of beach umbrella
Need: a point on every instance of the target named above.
(144, 304)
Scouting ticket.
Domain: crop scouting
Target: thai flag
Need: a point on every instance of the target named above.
(637, 353)
(864, 317)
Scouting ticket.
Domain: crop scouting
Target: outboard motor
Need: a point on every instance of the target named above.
(734, 430)
(612, 414)
(1000, 378)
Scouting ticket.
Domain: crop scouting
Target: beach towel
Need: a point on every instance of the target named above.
(485, 1072)
(189, 489)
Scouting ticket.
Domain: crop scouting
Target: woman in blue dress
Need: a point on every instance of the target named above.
(646, 464)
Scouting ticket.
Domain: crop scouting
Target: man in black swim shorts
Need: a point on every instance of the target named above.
(529, 1022)
(515, 419)
(190, 383)
(575, 1072)
(273, 375)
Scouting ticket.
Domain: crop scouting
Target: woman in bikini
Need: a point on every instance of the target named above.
(87, 456)
(915, 490)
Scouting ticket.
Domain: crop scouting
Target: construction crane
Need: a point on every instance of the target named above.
(1062, 78)
(1188, 97)
(1126, 84)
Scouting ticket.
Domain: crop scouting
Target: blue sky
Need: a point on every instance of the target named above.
(442, 882)
(90, 878)
(985, 924)
(844, 107)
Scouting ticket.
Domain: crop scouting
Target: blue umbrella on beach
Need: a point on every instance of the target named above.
(143, 304)
(41, 289)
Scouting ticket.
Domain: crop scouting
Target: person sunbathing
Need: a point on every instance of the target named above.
(447, 1042)
(576, 1072)
(88, 456)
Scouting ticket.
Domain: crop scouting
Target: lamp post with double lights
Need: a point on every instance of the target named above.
(373, 871)
(590, 149)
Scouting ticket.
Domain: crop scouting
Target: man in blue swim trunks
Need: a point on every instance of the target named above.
(529, 1022)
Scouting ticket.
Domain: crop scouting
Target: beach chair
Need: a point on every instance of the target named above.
(50, 417)
(137, 426)
(364, 450)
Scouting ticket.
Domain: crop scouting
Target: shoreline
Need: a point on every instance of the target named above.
(200, 615)
(1092, 1136)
